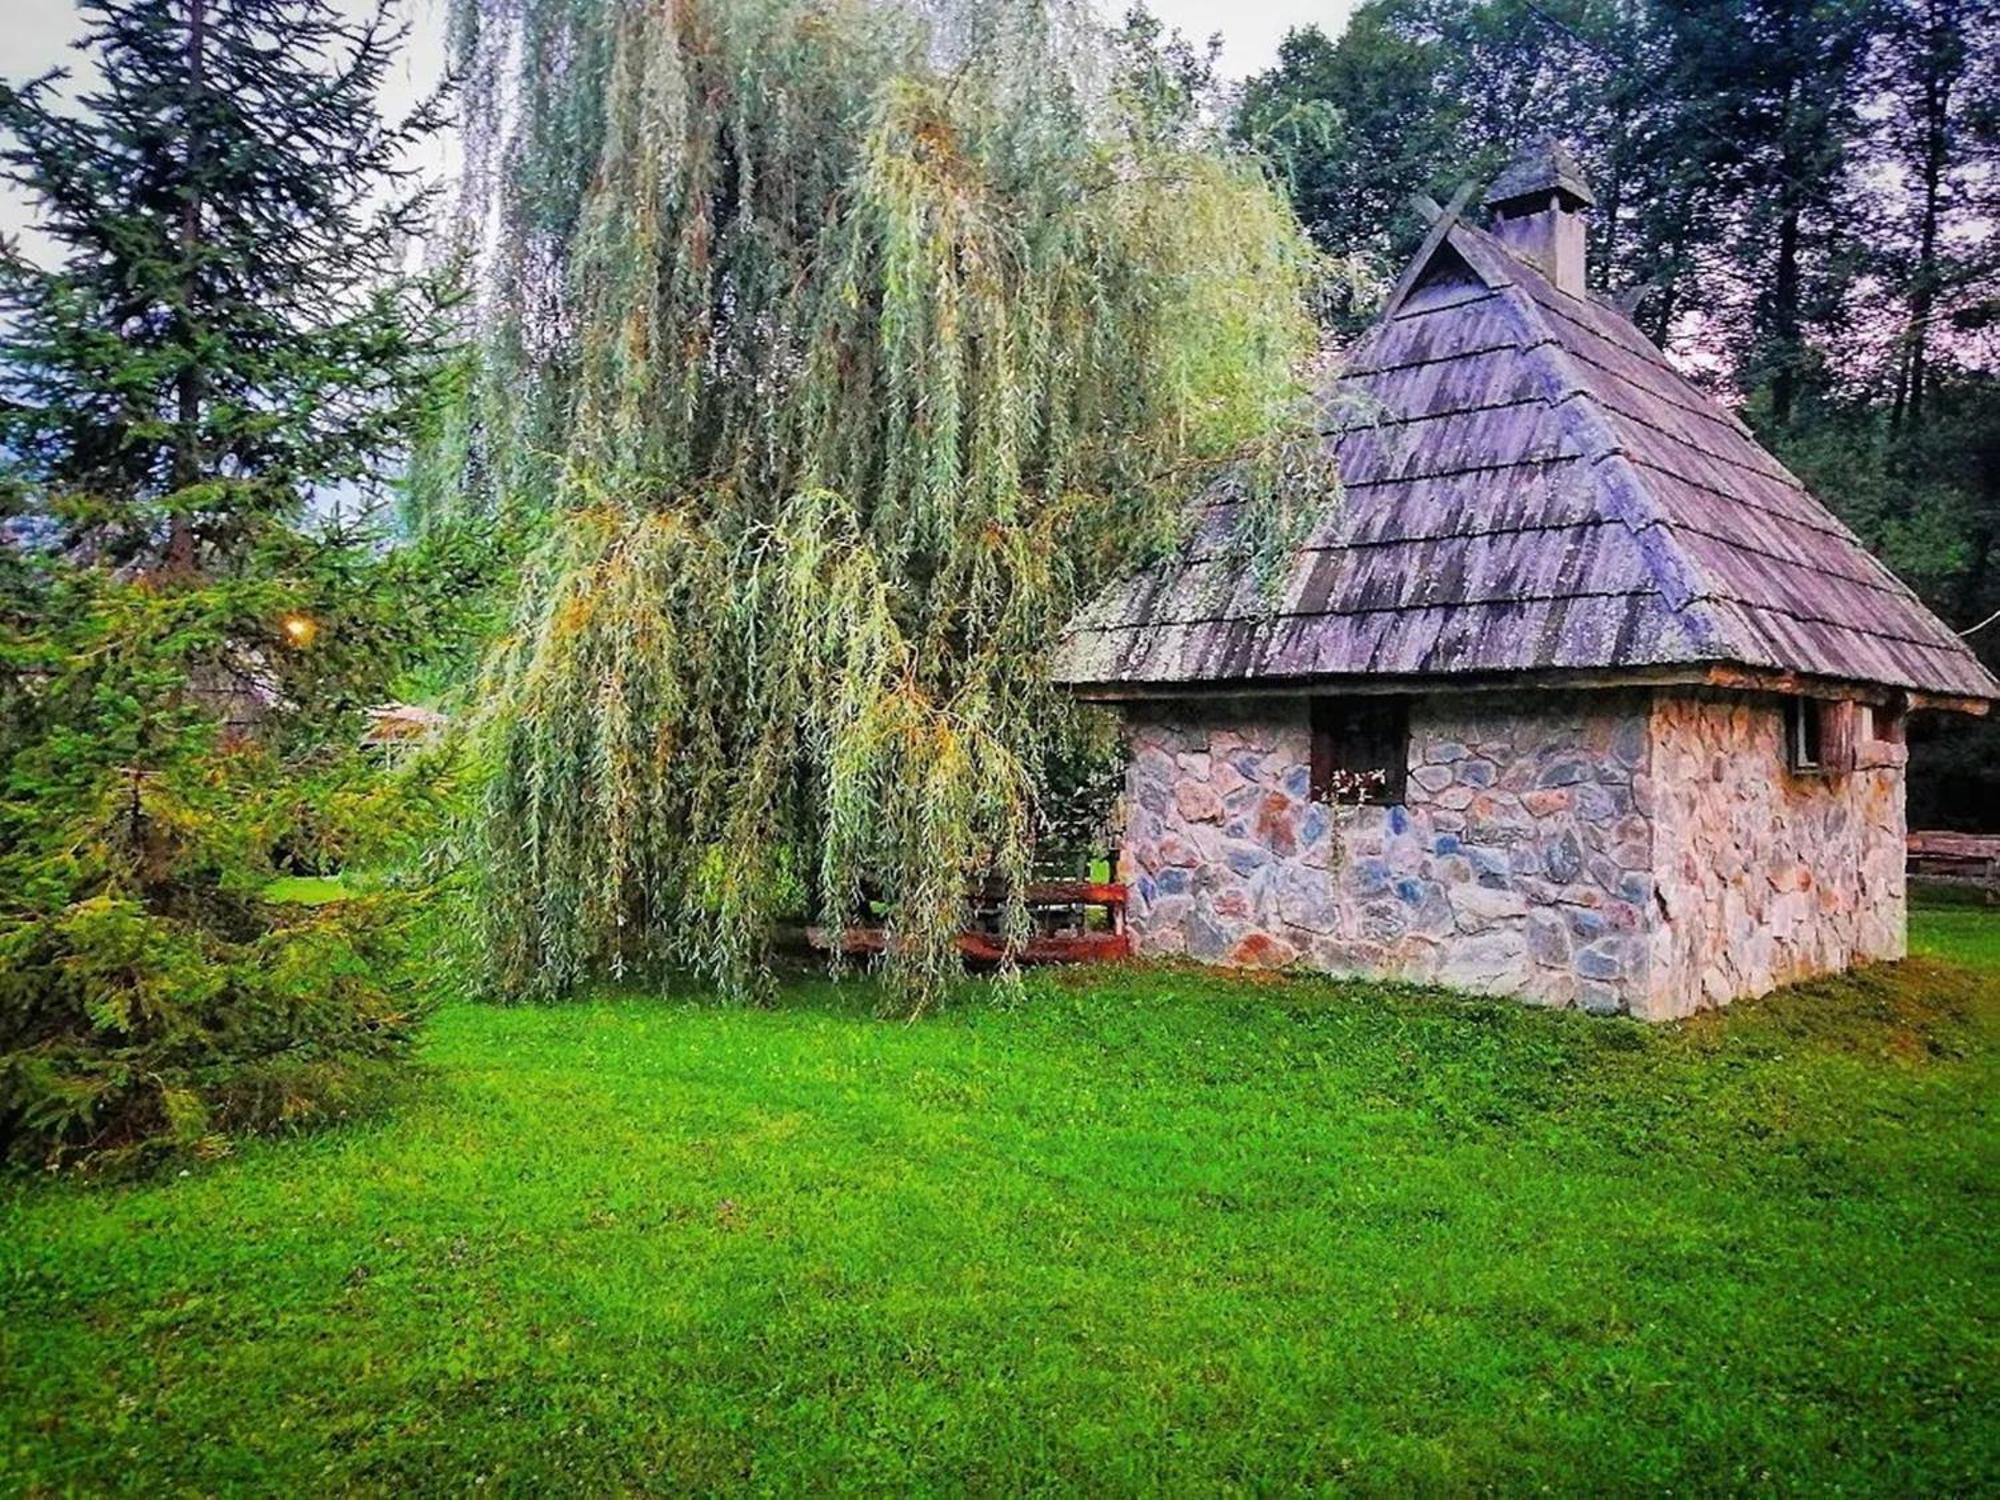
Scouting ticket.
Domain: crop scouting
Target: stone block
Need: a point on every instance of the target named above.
(1562, 859)
(1491, 865)
(1628, 745)
(1593, 803)
(1548, 940)
(1314, 824)
(1245, 858)
(1478, 907)
(1156, 765)
(1433, 916)
(1478, 772)
(1607, 958)
(1495, 818)
(1368, 877)
(1563, 770)
(1244, 801)
(1234, 903)
(1306, 900)
(1598, 998)
(1348, 956)
(1554, 989)
(1276, 829)
(1206, 937)
(1384, 921)
(1490, 961)
(1261, 950)
(1197, 802)
(1432, 778)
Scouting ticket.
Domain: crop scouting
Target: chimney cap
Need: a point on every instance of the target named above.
(1540, 168)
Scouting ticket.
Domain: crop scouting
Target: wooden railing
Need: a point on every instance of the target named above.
(1063, 928)
(1972, 858)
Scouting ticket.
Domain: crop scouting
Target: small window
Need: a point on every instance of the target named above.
(1886, 724)
(1360, 749)
(1803, 734)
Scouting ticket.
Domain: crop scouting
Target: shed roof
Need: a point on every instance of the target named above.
(1533, 488)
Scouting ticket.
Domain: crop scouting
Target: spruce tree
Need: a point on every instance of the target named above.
(227, 327)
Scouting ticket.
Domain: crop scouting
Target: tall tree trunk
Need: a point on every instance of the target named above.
(1941, 24)
(187, 466)
(1785, 317)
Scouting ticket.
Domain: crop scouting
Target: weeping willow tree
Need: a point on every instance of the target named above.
(846, 346)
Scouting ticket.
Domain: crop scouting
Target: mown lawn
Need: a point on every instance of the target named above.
(1141, 1230)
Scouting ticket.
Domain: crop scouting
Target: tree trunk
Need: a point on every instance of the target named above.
(1785, 318)
(187, 466)
(1938, 37)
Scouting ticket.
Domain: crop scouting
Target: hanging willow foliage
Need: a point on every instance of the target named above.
(847, 345)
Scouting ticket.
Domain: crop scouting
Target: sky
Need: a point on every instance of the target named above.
(40, 33)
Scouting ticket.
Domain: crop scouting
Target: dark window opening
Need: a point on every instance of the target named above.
(1360, 749)
(1803, 734)
(1886, 725)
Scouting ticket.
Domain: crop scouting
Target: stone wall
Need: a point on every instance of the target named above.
(1521, 862)
(1765, 876)
(1618, 851)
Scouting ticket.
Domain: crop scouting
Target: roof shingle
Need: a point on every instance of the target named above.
(1530, 486)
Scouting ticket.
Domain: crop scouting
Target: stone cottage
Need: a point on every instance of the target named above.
(1574, 693)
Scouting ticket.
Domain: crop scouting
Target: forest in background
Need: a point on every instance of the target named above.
(1796, 198)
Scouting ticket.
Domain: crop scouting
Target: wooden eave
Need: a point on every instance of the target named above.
(1719, 675)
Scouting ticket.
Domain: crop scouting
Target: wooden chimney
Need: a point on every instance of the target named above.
(1538, 206)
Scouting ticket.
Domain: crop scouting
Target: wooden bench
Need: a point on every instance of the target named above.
(1059, 918)
(1967, 858)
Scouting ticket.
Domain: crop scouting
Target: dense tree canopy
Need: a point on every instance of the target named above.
(1797, 198)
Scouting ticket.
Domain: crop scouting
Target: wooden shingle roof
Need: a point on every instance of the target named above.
(1532, 487)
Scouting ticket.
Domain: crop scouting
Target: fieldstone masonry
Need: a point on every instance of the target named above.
(1766, 877)
(1611, 850)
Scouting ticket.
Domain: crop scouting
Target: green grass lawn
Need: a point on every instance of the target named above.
(1139, 1230)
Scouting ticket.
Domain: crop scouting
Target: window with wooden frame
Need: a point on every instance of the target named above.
(1804, 748)
(1838, 736)
(1881, 740)
(1360, 749)
(1885, 724)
